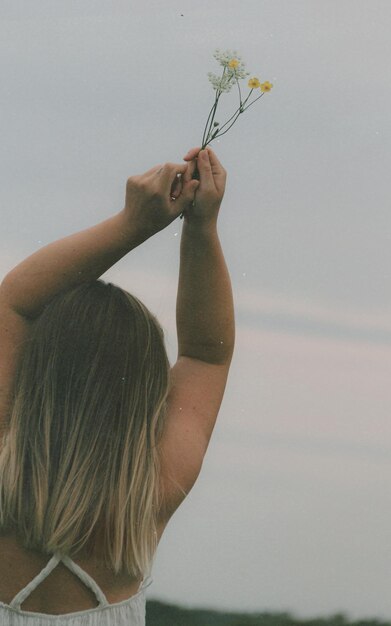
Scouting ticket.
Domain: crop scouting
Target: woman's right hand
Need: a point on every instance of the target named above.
(154, 199)
(212, 177)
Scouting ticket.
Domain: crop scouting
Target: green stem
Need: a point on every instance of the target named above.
(213, 116)
(225, 130)
(210, 113)
(262, 94)
(240, 93)
(240, 109)
(237, 113)
(214, 113)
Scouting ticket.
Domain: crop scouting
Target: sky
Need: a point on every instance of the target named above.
(291, 511)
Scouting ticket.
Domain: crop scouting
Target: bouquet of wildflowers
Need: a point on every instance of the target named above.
(234, 69)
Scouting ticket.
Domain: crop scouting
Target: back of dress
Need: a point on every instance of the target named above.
(130, 612)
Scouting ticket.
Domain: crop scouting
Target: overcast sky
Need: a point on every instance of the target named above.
(292, 509)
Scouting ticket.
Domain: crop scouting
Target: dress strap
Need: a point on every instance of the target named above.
(86, 579)
(80, 573)
(146, 582)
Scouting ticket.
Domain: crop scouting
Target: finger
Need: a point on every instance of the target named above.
(177, 186)
(188, 173)
(153, 170)
(188, 195)
(191, 168)
(205, 169)
(216, 166)
(169, 174)
(193, 152)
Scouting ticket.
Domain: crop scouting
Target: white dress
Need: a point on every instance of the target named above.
(130, 612)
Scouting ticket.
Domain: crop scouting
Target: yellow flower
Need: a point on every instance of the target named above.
(253, 83)
(233, 63)
(266, 86)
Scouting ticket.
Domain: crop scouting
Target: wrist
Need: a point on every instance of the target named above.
(198, 238)
(200, 225)
(133, 231)
(200, 233)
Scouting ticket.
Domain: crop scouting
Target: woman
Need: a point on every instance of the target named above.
(101, 440)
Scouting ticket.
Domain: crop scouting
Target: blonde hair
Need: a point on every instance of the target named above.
(79, 467)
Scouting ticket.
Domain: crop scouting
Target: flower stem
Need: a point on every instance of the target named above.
(213, 110)
(225, 130)
(240, 93)
(210, 113)
(237, 113)
(240, 109)
(213, 116)
(262, 94)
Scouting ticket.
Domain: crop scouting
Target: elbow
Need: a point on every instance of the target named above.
(215, 353)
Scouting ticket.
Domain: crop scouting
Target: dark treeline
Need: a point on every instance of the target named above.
(162, 614)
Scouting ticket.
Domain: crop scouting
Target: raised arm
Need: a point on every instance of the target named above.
(81, 257)
(205, 313)
(205, 328)
(88, 254)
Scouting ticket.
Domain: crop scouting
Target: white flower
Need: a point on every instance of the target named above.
(227, 56)
(221, 83)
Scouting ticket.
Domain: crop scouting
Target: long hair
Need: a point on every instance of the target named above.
(79, 468)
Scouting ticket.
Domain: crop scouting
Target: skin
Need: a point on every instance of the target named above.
(205, 328)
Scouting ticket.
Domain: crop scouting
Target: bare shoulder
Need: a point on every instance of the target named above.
(196, 393)
(14, 329)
